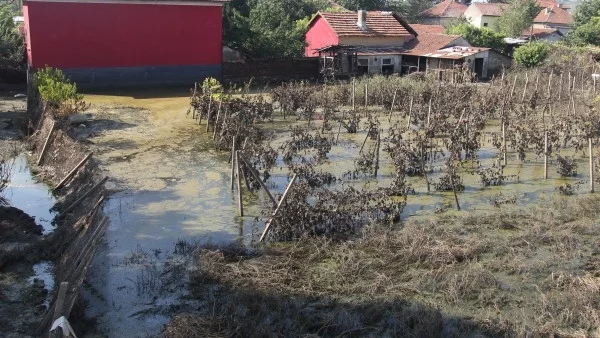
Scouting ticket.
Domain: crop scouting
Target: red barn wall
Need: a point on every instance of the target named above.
(319, 35)
(93, 35)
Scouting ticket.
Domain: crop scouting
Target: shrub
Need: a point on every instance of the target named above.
(59, 93)
(532, 54)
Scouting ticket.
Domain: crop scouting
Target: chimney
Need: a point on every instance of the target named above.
(548, 11)
(559, 5)
(362, 20)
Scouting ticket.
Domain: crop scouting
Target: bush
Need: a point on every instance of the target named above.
(12, 51)
(59, 94)
(477, 37)
(532, 54)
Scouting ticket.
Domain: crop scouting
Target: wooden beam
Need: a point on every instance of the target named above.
(80, 199)
(46, 143)
(257, 178)
(72, 172)
(276, 212)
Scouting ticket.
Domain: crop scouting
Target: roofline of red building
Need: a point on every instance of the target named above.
(143, 2)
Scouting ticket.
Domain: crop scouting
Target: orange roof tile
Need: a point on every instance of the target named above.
(378, 24)
(445, 9)
(423, 29)
(490, 9)
(554, 15)
(429, 42)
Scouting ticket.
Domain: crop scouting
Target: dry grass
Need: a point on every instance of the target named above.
(191, 326)
(529, 272)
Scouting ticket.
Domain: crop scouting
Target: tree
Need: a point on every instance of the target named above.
(517, 17)
(368, 5)
(588, 33)
(478, 37)
(585, 11)
(531, 54)
(12, 50)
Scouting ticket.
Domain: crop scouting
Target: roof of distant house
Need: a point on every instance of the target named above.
(378, 23)
(424, 29)
(490, 9)
(554, 15)
(429, 42)
(540, 32)
(445, 9)
(456, 53)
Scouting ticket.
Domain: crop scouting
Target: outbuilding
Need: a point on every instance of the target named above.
(105, 43)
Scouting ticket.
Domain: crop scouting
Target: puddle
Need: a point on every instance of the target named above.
(31, 196)
(44, 271)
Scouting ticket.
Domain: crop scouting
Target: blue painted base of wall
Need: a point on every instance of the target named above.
(120, 77)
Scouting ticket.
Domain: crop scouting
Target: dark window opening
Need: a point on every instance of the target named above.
(485, 24)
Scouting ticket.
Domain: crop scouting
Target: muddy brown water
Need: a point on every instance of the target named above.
(172, 185)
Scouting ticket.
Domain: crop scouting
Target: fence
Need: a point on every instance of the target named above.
(271, 70)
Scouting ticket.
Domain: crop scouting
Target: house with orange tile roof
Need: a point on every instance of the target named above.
(543, 34)
(484, 15)
(443, 13)
(554, 17)
(356, 43)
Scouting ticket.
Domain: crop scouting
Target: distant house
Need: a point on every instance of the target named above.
(356, 43)
(443, 13)
(554, 17)
(543, 34)
(126, 42)
(484, 15)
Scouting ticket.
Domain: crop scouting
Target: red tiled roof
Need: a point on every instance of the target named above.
(445, 9)
(429, 42)
(424, 29)
(490, 9)
(540, 32)
(378, 24)
(554, 15)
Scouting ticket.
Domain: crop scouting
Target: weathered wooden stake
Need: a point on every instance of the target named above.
(276, 212)
(72, 172)
(364, 142)
(504, 160)
(377, 152)
(366, 95)
(233, 149)
(46, 143)
(546, 155)
(59, 307)
(560, 87)
(591, 165)
(512, 90)
(410, 109)
(393, 102)
(257, 178)
(454, 191)
(353, 94)
(209, 112)
(525, 87)
(239, 183)
(84, 196)
(217, 120)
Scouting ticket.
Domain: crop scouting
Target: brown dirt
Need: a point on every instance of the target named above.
(17, 226)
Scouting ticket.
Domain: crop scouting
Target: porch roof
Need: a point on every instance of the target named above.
(446, 53)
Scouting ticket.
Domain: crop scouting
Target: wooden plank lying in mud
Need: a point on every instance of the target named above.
(283, 197)
(59, 308)
(45, 147)
(84, 196)
(72, 172)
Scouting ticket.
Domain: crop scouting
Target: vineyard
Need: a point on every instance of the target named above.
(364, 149)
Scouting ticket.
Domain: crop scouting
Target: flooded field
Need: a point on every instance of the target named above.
(171, 185)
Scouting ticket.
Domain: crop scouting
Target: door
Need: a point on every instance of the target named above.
(479, 67)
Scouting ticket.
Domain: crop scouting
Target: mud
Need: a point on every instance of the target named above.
(17, 226)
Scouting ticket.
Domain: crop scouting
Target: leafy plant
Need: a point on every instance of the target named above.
(11, 45)
(532, 54)
(59, 93)
(477, 37)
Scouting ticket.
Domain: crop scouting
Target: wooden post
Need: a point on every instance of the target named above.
(537, 81)
(209, 112)
(454, 190)
(59, 307)
(504, 160)
(192, 100)
(410, 111)
(84, 196)
(257, 178)
(364, 142)
(239, 183)
(366, 94)
(525, 88)
(353, 94)
(217, 120)
(546, 155)
(591, 165)
(550, 84)
(337, 138)
(281, 201)
(512, 90)
(72, 172)
(233, 149)
(594, 88)
(46, 143)
(560, 87)
(377, 152)
(429, 114)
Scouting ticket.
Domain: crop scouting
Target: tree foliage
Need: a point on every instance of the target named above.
(587, 33)
(478, 37)
(59, 93)
(517, 17)
(11, 44)
(531, 54)
(585, 11)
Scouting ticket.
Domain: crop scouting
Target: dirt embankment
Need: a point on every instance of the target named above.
(21, 242)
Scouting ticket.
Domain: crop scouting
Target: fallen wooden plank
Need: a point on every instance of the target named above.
(283, 197)
(45, 148)
(72, 172)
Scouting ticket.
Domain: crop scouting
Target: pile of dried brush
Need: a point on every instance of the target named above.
(191, 326)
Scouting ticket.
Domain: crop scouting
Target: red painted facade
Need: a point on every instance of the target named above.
(75, 35)
(319, 35)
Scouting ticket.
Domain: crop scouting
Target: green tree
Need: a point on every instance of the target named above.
(517, 17)
(368, 5)
(12, 50)
(531, 54)
(477, 37)
(585, 11)
(587, 33)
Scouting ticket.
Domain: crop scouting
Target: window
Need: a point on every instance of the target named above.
(386, 61)
(363, 62)
(387, 67)
(485, 24)
(362, 66)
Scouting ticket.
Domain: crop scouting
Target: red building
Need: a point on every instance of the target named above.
(101, 43)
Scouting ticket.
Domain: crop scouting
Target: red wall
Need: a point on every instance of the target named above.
(100, 35)
(319, 35)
